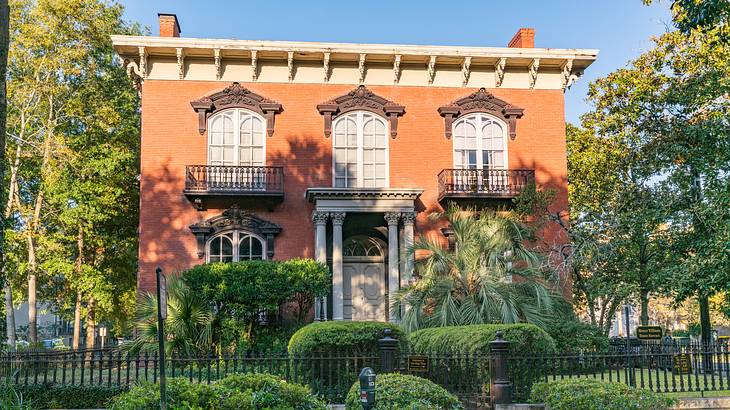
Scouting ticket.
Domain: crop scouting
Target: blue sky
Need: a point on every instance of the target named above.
(620, 29)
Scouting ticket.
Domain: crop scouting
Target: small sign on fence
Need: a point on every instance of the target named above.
(418, 364)
(682, 363)
(649, 332)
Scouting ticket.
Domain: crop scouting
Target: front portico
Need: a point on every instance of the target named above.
(371, 228)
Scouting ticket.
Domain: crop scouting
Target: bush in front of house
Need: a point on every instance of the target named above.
(591, 394)
(234, 392)
(50, 396)
(399, 391)
(573, 336)
(342, 336)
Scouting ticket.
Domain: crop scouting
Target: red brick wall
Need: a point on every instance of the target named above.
(170, 140)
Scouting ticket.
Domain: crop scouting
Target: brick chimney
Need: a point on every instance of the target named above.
(169, 27)
(524, 38)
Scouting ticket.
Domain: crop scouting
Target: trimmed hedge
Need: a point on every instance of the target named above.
(398, 391)
(334, 336)
(573, 336)
(474, 339)
(591, 394)
(50, 396)
(234, 392)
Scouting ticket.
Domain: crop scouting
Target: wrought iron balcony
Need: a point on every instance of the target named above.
(487, 183)
(239, 181)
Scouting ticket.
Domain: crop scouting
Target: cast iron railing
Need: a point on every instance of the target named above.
(496, 183)
(223, 179)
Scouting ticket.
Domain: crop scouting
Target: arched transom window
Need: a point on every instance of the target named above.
(235, 246)
(236, 137)
(480, 142)
(360, 151)
(361, 246)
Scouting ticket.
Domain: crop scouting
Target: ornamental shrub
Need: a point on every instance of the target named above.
(399, 391)
(341, 336)
(573, 336)
(54, 396)
(234, 392)
(591, 394)
(475, 339)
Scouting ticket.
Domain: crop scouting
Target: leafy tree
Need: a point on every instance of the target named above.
(4, 45)
(693, 14)
(490, 277)
(308, 280)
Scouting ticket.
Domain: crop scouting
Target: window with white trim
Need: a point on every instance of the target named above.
(236, 137)
(480, 142)
(360, 151)
(248, 247)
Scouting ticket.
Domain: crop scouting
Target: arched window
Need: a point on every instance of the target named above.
(236, 137)
(361, 246)
(221, 249)
(360, 151)
(480, 142)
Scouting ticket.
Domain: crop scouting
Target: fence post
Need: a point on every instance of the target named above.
(387, 346)
(500, 389)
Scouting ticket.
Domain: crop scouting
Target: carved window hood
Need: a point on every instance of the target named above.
(232, 219)
(361, 99)
(236, 96)
(481, 101)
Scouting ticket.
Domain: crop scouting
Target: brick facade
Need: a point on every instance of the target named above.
(170, 141)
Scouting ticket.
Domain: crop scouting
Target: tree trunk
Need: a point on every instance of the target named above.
(644, 296)
(4, 46)
(9, 315)
(9, 308)
(32, 305)
(90, 323)
(705, 324)
(77, 323)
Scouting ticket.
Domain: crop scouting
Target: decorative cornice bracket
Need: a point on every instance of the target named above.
(361, 67)
(254, 65)
(481, 101)
(499, 71)
(465, 71)
(361, 99)
(217, 57)
(290, 64)
(396, 68)
(533, 69)
(236, 96)
(431, 69)
(326, 67)
(180, 53)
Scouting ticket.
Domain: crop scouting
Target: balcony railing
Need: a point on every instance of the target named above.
(234, 180)
(487, 183)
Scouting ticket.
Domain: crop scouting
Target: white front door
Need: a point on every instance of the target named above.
(366, 290)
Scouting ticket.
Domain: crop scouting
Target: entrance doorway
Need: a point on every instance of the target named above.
(363, 271)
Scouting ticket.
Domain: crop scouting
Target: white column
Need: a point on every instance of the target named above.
(319, 219)
(338, 291)
(393, 280)
(408, 219)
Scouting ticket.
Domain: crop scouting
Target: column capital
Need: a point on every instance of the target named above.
(392, 218)
(338, 217)
(320, 217)
(408, 217)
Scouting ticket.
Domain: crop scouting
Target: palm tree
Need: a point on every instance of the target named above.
(489, 277)
(188, 327)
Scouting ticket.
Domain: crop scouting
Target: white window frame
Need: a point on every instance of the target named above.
(360, 124)
(237, 134)
(236, 236)
(476, 117)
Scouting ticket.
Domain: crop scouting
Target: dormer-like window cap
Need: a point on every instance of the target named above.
(361, 98)
(481, 101)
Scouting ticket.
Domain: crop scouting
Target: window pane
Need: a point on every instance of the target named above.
(368, 140)
(227, 246)
(352, 156)
(258, 156)
(257, 250)
(245, 156)
(472, 159)
(498, 158)
(244, 248)
(215, 247)
(380, 156)
(368, 156)
(368, 171)
(246, 131)
(380, 171)
(227, 130)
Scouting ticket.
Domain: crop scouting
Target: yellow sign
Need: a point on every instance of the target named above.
(418, 364)
(682, 363)
(649, 332)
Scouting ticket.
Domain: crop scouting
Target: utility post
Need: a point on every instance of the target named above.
(161, 316)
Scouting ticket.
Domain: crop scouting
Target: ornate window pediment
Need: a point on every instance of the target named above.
(361, 99)
(481, 101)
(235, 219)
(236, 96)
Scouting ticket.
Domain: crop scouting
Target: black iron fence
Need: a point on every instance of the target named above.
(504, 375)
(254, 180)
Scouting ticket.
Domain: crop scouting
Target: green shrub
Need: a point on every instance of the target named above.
(475, 339)
(234, 392)
(398, 391)
(357, 337)
(573, 336)
(591, 394)
(49, 396)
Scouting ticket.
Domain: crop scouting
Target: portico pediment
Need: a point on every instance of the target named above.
(364, 199)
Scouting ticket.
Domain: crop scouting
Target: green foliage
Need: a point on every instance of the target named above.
(468, 340)
(398, 391)
(189, 324)
(468, 285)
(360, 337)
(573, 336)
(591, 394)
(55, 396)
(237, 293)
(234, 392)
(12, 399)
